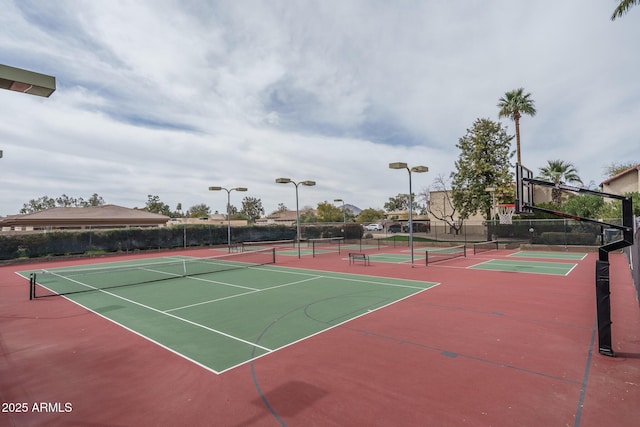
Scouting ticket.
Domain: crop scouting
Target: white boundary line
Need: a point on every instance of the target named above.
(506, 262)
(516, 255)
(278, 269)
(240, 295)
(172, 315)
(328, 328)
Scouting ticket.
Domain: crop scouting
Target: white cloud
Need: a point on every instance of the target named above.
(168, 98)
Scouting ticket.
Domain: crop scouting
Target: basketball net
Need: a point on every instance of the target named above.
(505, 213)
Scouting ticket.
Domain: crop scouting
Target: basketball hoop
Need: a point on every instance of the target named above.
(505, 212)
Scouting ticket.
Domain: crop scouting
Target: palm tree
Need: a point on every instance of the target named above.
(623, 8)
(513, 104)
(559, 172)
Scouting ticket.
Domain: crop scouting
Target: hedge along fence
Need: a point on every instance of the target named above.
(552, 231)
(56, 243)
(320, 231)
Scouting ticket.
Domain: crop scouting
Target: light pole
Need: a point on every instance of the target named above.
(228, 190)
(416, 169)
(492, 190)
(296, 184)
(344, 218)
(344, 213)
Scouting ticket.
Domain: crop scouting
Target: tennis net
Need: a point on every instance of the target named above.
(91, 278)
(326, 245)
(485, 246)
(267, 244)
(443, 254)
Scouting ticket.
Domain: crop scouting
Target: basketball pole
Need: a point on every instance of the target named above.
(602, 279)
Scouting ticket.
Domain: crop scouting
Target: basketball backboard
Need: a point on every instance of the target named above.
(524, 190)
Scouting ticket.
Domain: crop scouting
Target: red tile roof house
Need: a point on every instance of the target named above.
(104, 216)
(627, 181)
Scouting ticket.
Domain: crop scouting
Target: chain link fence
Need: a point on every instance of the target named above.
(633, 255)
(563, 232)
(49, 243)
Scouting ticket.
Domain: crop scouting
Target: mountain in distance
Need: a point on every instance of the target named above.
(353, 209)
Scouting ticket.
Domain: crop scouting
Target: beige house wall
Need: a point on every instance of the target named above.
(628, 182)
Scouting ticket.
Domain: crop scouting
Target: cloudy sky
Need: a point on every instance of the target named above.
(169, 97)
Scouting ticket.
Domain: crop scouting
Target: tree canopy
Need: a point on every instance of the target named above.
(483, 162)
(328, 212)
(623, 7)
(155, 205)
(559, 172)
(615, 168)
(198, 211)
(252, 208)
(64, 201)
(370, 215)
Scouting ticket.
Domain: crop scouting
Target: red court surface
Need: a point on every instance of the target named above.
(483, 348)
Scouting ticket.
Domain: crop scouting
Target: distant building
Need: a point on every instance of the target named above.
(105, 216)
(627, 181)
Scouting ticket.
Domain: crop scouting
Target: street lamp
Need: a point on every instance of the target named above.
(416, 169)
(296, 184)
(492, 190)
(26, 81)
(344, 213)
(228, 190)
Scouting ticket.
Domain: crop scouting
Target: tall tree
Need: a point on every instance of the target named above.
(513, 105)
(37, 205)
(559, 172)
(252, 208)
(623, 7)
(94, 200)
(485, 152)
(46, 202)
(370, 215)
(198, 211)
(155, 205)
(328, 212)
(615, 168)
(400, 203)
(397, 203)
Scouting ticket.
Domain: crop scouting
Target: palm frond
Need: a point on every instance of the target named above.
(623, 8)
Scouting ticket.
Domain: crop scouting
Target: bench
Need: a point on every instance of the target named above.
(353, 257)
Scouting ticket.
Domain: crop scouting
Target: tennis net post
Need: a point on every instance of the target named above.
(32, 279)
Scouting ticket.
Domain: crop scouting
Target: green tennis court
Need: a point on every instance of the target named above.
(536, 267)
(549, 255)
(224, 319)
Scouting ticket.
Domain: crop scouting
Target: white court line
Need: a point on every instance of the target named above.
(240, 295)
(344, 276)
(529, 265)
(172, 316)
(341, 276)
